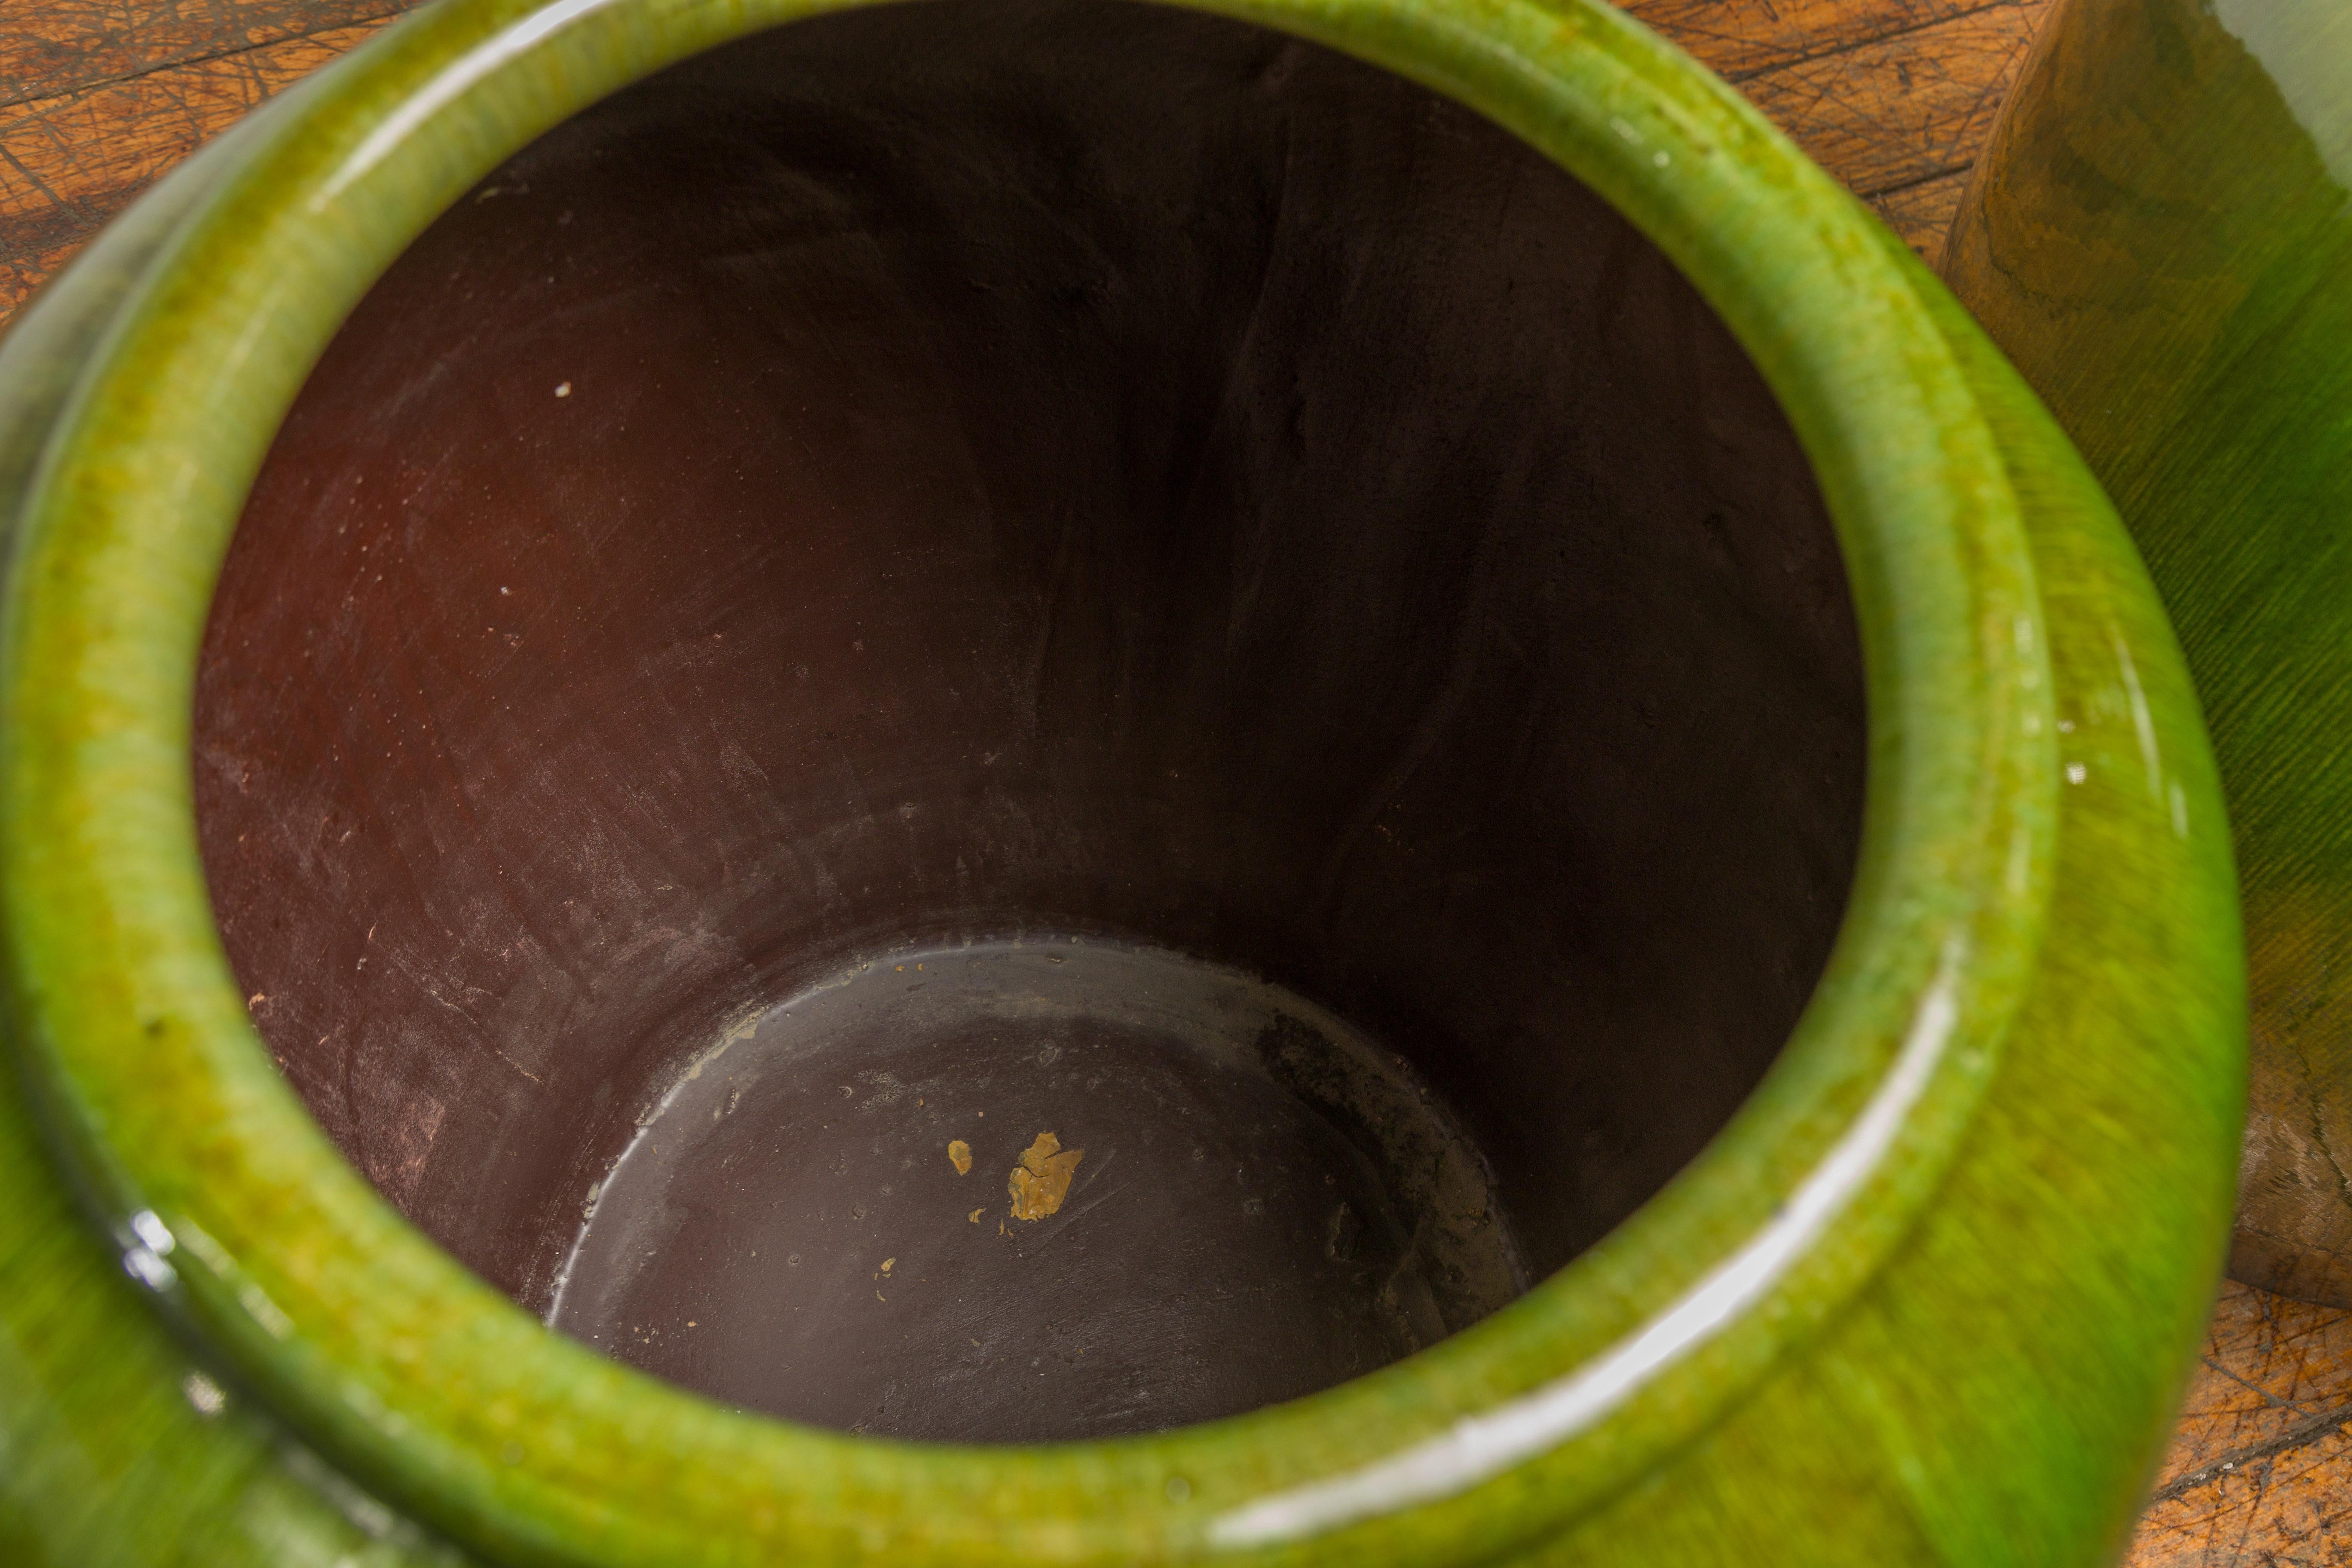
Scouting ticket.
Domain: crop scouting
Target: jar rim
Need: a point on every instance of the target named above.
(440, 1393)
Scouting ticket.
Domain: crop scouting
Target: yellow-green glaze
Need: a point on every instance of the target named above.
(1999, 1147)
(2161, 238)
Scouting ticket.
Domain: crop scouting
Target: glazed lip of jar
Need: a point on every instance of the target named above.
(431, 1388)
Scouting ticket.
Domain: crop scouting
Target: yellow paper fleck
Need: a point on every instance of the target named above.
(975, 1216)
(960, 1156)
(1042, 1180)
(886, 1264)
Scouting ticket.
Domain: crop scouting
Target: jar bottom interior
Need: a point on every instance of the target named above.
(1289, 617)
(1037, 1187)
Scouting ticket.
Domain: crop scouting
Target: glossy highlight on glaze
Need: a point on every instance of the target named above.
(1482, 1446)
(453, 80)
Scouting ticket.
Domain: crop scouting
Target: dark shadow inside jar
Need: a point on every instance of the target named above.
(1016, 721)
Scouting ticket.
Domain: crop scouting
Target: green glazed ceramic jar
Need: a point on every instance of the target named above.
(2158, 237)
(1928, 1295)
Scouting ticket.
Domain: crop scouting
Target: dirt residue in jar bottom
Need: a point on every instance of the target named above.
(1042, 1180)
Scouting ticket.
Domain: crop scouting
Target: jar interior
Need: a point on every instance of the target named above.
(1027, 719)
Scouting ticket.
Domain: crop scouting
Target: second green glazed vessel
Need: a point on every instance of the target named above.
(1928, 1297)
(2160, 237)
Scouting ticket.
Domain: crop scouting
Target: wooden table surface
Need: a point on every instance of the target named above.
(1894, 97)
(99, 96)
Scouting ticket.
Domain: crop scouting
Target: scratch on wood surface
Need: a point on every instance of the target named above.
(1740, 40)
(1923, 213)
(51, 48)
(2260, 1472)
(1896, 97)
(1894, 114)
(98, 99)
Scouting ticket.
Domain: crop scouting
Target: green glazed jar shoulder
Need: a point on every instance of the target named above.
(2160, 238)
(2125, 1074)
(121, 1443)
(2036, 997)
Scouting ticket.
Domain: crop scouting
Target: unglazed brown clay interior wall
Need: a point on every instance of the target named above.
(949, 475)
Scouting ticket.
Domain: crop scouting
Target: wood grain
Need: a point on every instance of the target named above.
(70, 162)
(2260, 1470)
(1740, 39)
(51, 48)
(1895, 116)
(1894, 97)
(99, 96)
